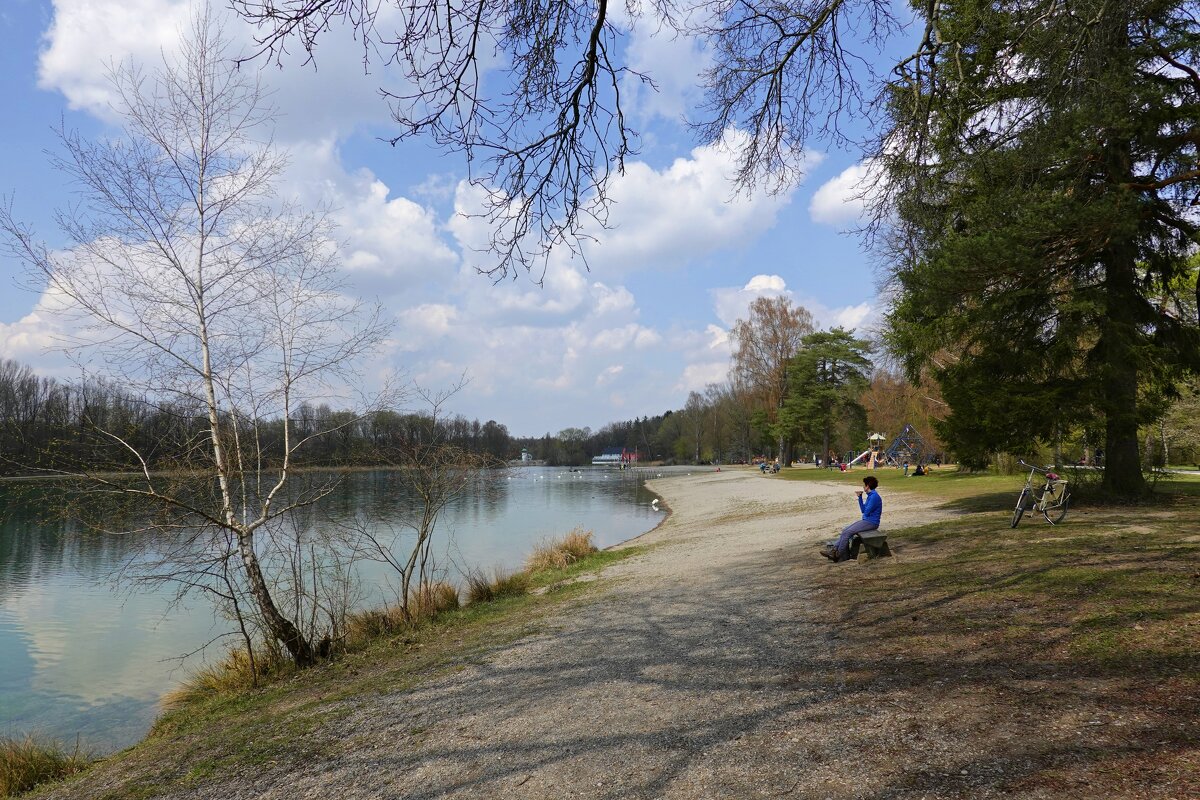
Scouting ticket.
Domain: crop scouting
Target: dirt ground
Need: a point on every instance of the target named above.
(730, 661)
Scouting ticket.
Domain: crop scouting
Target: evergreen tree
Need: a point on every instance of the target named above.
(828, 376)
(1043, 160)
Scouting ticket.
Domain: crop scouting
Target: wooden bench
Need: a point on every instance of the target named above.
(874, 541)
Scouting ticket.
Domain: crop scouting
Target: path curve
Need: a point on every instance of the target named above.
(691, 674)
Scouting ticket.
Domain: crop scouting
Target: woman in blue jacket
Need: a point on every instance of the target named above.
(871, 507)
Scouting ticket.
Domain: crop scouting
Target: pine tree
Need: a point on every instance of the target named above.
(828, 376)
(1043, 160)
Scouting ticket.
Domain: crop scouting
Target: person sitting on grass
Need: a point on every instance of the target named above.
(872, 510)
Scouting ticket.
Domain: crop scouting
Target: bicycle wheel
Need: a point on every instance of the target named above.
(1055, 504)
(1019, 511)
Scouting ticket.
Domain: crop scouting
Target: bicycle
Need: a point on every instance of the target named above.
(1051, 498)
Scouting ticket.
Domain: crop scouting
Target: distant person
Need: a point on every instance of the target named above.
(906, 469)
(920, 471)
(871, 507)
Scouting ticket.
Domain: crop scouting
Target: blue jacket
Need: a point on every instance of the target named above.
(872, 508)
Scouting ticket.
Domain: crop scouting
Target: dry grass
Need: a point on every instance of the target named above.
(561, 553)
(424, 604)
(502, 583)
(364, 626)
(28, 762)
(233, 673)
(1061, 657)
(432, 599)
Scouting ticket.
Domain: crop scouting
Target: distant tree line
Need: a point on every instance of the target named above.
(48, 424)
(834, 401)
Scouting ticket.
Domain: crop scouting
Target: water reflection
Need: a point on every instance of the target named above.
(82, 656)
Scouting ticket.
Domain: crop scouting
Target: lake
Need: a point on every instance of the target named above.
(83, 657)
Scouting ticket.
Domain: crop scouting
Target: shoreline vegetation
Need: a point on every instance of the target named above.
(443, 623)
(1058, 659)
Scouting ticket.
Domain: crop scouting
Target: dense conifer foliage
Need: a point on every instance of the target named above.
(1044, 167)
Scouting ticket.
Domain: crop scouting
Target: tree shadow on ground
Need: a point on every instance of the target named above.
(777, 677)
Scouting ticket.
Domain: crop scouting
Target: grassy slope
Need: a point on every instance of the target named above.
(1102, 572)
(242, 729)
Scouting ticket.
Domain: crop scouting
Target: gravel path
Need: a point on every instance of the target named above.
(698, 671)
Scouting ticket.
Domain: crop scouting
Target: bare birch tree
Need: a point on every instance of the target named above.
(196, 286)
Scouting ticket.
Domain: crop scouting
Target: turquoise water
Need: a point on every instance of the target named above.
(85, 656)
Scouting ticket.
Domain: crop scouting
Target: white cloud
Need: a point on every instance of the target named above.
(609, 374)
(673, 62)
(848, 317)
(625, 337)
(851, 317)
(842, 200)
(88, 35)
(731, 304)
(682, 213)
(432, 319)
(43, 336)
(696, 376)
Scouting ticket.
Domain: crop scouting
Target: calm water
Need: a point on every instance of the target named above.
(82, 657)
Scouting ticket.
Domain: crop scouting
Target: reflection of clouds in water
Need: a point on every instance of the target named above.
(87, 643)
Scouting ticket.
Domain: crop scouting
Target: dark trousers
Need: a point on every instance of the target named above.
(843, 542)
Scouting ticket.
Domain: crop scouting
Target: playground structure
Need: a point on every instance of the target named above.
(871, 454)
(909, 447)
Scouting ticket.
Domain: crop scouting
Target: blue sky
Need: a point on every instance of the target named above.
(648, 323)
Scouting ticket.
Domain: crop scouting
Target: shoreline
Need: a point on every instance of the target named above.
(724, 658)
(107, 731)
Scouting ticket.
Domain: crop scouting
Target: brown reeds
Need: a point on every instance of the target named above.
(432, 599)
(232, 673)
(28, 762)
(561, 553)
(502, 583)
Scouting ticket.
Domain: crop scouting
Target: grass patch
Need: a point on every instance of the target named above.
(1116, 587)
(28, 762)
(502, 583)
(233, 673)
(558, 554)
(1068, 651)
